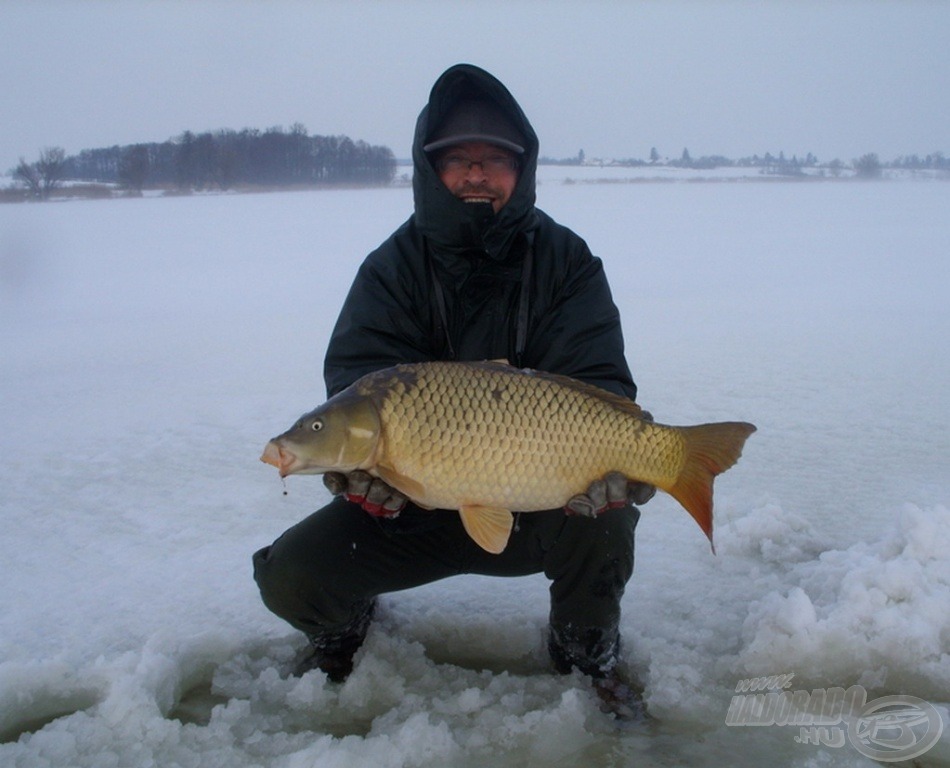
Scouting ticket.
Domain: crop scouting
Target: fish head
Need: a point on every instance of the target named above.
(339, 436)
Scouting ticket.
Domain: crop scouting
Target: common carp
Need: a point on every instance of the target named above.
(487, 439)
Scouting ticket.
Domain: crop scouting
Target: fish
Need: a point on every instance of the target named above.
(489, 439)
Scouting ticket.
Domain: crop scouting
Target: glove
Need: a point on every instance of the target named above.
(613, 491)
(375, 496)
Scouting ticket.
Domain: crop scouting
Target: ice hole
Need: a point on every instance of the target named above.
(196, 704)
(40, 713)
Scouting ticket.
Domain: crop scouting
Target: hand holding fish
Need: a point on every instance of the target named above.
(375, 496)
(613, 491)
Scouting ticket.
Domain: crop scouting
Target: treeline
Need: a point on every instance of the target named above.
(866, 165)
(225, 159)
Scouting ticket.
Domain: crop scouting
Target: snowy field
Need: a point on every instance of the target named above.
(150, 347)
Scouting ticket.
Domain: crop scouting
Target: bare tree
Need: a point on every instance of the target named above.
(836, 167)
(868, 166)
(50, 166)
(43, 176)
(28, 175)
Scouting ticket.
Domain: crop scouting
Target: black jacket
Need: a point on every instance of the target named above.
(457, 281)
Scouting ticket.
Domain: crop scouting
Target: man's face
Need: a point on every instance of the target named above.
(477, 172)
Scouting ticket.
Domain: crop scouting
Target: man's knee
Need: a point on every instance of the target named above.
(310, 576)
(278, 579)
(290, 573)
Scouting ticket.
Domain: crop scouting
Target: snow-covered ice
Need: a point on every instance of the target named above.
(151, 346)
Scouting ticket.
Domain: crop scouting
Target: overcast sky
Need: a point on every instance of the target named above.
(838, 79)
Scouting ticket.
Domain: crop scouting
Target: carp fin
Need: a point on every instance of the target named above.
(710, 450)
(412, 488)
(489, 527)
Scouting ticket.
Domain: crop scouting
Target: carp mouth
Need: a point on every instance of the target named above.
(278, 456)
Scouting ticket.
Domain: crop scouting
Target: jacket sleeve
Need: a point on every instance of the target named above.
(382, 322)
(579, 333)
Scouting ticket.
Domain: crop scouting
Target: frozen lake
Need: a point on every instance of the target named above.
(150, 347)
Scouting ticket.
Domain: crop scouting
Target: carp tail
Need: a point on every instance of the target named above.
(710, 450)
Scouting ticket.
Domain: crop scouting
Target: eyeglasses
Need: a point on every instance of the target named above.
(455, 162)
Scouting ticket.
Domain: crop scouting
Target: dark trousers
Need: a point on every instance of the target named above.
(323, 574)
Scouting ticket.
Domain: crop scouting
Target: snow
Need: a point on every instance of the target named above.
(151, 346)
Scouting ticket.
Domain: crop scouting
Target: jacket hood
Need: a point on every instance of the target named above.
(449, 223)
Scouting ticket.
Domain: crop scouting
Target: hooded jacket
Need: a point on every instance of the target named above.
(458, 281)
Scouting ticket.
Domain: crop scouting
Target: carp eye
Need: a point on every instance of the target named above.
(316, 426)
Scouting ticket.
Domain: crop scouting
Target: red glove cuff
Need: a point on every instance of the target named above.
(376, 510)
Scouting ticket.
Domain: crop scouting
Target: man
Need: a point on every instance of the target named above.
(477, 273)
